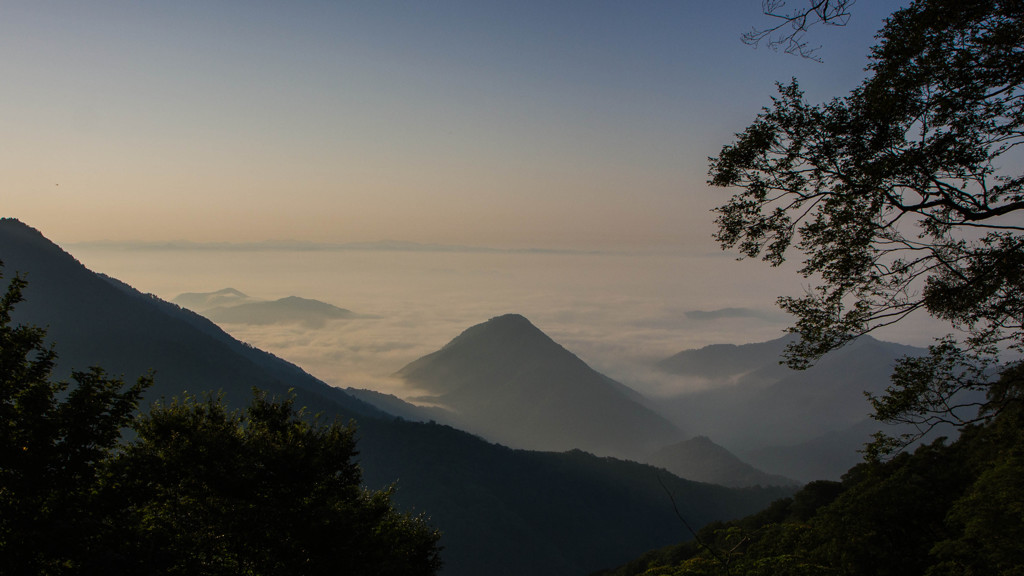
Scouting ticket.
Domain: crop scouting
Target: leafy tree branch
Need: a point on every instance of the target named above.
(905, 195)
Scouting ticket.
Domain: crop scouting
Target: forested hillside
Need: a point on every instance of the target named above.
(947, 508)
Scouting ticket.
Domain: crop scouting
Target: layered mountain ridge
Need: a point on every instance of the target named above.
(804, 424)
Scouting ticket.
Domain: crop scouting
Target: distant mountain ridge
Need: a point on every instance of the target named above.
(202, 301)
(230, 306)
(290, 309)
(509, 382)
(758, 408)
(730, 362)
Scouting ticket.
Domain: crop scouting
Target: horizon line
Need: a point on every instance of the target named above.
(308, 246)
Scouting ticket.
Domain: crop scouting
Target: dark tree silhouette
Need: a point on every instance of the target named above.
(264, 491)
(54, 438)
(905, 195)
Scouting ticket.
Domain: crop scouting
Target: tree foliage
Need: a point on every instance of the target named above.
(54, 439)
(262, 491)
(198, 490)
(905, 195)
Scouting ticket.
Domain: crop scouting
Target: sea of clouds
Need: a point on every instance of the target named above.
(619, 312)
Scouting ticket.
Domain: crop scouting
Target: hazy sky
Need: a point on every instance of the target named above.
(509, 124)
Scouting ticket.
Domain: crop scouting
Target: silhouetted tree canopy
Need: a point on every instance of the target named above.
(54, 439)
(262, 491)
(905, 195)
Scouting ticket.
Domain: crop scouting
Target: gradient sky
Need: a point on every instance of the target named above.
(508, 124)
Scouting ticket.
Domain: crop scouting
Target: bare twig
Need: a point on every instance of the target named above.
(696, 537)
(788, 34)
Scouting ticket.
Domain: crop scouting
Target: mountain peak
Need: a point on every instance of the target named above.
(204, 301)
(510, 344)
(509, 320)
(9, 224)
(510, 382)
(504, 324)
(505, 335)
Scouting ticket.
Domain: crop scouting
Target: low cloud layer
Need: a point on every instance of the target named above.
(620, 313)
(721, 313)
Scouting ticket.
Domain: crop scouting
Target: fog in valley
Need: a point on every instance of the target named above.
(619, 312)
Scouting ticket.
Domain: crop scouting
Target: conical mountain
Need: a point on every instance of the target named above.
(509, 382)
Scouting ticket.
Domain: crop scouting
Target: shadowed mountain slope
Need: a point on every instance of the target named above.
(509, 382)
(502, 511)
(98, 321)
(702, 460)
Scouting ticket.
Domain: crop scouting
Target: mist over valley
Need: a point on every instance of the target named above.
(621, 313)
(701, 352)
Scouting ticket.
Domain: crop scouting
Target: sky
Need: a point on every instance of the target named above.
(540, 124)
(570, 139)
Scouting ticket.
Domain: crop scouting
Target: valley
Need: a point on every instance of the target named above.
(508, 430)
(501, 510)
